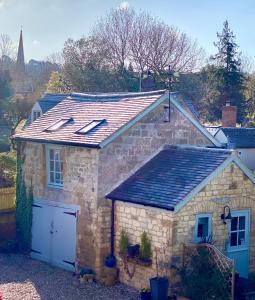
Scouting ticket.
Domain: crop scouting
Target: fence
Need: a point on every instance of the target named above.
(222, 263)
(7, 198)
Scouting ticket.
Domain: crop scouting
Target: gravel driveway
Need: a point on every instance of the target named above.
(22, 278)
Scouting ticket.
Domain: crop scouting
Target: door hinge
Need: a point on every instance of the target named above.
(35, 251)
(36, 205)
(69, 262)
(70, 213)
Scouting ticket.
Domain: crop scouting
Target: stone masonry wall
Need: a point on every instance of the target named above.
(157, 223)
(79, 187)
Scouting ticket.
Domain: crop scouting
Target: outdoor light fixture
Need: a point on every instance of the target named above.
(226, 216)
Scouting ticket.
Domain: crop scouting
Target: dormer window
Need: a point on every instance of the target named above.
(92, 125)
(57, 125)
(36, 114)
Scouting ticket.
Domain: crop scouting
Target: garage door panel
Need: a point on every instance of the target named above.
(54, 235)
(42, 217)
(64, 246)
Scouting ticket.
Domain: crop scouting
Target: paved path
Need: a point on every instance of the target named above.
(22, 278)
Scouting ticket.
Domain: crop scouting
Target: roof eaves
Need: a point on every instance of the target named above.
(195, 123)
(64, 143)
(137, 118)
(138, 202)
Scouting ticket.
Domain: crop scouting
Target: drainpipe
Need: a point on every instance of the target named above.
(112, 228)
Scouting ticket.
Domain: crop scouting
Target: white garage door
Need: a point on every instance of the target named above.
(54, 234)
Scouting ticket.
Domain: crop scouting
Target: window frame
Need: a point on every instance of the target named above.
(48, 170)
(203, 215)
(36, 111)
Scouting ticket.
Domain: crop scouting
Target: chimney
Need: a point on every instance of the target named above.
(229, 116)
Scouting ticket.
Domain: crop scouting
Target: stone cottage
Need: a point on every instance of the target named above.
(86, 146)
(178, 197)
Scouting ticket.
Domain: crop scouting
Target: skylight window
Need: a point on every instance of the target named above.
(58, 124)
(92, 125)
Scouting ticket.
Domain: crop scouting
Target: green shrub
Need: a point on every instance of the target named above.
(145, 249)
(202, 279)
(123, 245)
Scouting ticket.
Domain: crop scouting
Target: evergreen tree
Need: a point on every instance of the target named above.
(228, 63)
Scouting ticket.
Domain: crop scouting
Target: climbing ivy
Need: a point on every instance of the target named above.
(24, 202)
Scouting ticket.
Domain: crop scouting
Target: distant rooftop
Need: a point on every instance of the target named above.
(240, 137)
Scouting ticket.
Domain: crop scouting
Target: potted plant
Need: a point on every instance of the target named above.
(145, 249)
(110, 261)
(123, 244)
(133, 250)
(145, 294)
(159, 285)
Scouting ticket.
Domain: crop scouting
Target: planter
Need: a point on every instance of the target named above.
(110, 261)
(133, 250)
(159, 288)
(145, 295)
(145, 262)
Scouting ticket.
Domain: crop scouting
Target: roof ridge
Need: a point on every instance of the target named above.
(205, 149)
(116, 95)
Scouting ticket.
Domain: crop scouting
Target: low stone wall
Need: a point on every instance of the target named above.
(134, 220)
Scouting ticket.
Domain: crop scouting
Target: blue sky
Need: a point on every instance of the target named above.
(48, 23)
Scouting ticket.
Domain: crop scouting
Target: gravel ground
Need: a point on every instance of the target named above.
(22, 278)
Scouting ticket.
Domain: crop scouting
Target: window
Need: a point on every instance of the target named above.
(36, 115)
(92, 125)
(55, 166)
(237, 231)
(58, 124)
(203, 227)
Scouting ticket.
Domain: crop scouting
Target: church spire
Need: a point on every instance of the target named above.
(20, 64)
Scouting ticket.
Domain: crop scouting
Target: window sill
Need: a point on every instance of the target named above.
(53, 186)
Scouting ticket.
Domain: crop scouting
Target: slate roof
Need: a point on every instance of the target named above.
(116, 109)
(171, 175)
(240, 137)
(49, 100)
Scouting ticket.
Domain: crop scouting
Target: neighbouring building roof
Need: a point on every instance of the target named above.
(81, 109)
(49, 100)
(239, 137)
(170, 176)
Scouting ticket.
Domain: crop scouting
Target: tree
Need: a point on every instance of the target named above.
(57, 84)
(228, 62)
(100, 62)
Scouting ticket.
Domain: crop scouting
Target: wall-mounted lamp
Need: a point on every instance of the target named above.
(226, 215)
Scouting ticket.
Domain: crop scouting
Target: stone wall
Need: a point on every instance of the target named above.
(157, 223)
(80, 169)
(168, 231)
